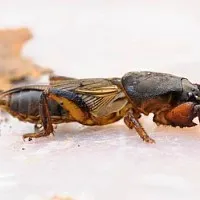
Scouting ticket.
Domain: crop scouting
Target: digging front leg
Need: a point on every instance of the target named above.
(183, 114)
(197, 111)
(45, 118)
(132, 122)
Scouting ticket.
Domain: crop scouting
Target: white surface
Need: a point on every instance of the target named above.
(102, 39)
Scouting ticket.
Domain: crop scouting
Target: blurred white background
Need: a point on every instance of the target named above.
(83, 38)
(104, 39)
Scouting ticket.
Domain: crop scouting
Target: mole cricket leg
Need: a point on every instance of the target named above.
(132, 122)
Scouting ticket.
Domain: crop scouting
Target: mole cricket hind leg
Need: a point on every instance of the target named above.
(45, 118)
(132, 122)
(183, 114)
(35, 135)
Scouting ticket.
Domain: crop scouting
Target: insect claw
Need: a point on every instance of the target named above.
(26, 138)
(150, 141)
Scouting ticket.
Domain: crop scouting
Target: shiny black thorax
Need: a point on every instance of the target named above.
(145, 85)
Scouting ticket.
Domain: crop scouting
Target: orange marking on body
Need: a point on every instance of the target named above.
(70, 106)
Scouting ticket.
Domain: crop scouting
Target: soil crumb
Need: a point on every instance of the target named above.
(14, 67)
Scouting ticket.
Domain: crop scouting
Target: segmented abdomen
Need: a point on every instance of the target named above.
(26, 104)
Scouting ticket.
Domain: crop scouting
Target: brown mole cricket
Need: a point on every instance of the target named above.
(99, 101)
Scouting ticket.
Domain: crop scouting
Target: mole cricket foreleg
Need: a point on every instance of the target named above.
(132, 122)
(183, 114)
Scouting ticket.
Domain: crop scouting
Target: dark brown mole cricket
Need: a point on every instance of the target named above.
(173, 101)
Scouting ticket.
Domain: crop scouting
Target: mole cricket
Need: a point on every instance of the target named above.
(173, 100)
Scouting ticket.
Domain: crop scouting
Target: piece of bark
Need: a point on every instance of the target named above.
(14, 66)
(12, 41)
